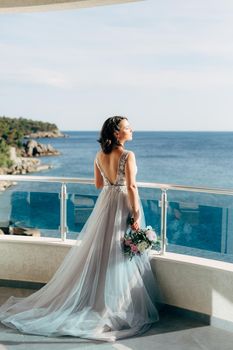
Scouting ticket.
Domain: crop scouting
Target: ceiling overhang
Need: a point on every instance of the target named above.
(47, 5)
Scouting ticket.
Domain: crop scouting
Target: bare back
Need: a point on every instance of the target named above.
(109, 164)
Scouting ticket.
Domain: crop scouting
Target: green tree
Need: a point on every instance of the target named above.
(12, 132)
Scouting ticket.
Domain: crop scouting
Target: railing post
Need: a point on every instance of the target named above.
(163, 204)
(63, 212)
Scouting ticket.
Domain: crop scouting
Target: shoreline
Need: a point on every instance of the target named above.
(29, 163)
(46, 134)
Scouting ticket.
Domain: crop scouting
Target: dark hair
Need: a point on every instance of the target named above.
(108, 140)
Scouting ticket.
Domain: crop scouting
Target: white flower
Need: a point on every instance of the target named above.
(142, 246)
(151, 235)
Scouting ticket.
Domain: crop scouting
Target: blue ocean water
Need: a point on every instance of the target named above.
(185, 158)
(199, 222)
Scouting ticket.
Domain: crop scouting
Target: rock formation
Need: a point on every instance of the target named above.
(20, 166)
(33, 148)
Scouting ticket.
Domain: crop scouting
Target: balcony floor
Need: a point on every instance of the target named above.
(175, 331)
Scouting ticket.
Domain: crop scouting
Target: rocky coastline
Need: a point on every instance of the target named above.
(27, 161)
(45, 134)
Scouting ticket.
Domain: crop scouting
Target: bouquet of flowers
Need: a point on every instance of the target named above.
(137, 242)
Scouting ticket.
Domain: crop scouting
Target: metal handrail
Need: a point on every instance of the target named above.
(57, 179)
(88, 181)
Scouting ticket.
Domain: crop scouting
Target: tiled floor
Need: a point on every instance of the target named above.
(172, 332)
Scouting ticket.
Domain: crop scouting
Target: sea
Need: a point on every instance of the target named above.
(184, 158)
(198, 223)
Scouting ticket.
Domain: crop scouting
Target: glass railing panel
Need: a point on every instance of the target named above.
(25, 212)
(35, 208)
(81, 199)
(150, 200)
(200, 224)
(39, 212)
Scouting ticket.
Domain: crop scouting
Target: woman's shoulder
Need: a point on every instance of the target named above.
(97, 157)
(129, 154)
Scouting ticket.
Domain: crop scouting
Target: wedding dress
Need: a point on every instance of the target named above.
(97, 292)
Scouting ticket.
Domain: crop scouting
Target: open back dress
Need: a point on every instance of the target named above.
(97, 292)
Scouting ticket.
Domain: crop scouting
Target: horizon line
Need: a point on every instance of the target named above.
(152, 130)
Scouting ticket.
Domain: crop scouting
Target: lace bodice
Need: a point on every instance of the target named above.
(120, 178)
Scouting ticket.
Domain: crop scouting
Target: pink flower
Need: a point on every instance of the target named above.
(134, 248)
(128, 241)
(151, 235)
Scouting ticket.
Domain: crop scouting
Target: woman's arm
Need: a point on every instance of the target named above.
(99, 182)
(130, 175)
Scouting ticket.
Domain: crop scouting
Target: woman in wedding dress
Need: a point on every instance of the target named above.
(97, 292)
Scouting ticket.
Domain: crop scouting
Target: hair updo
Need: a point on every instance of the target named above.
(108, 140)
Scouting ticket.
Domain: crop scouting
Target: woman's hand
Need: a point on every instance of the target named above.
(135, 225)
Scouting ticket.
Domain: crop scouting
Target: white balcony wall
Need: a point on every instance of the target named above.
(187, 282)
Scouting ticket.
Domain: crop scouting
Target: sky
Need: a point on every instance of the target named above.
(166, 65)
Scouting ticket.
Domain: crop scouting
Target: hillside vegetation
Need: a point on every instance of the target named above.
(12, 131)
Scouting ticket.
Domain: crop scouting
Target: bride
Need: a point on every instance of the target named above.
(97, 292)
